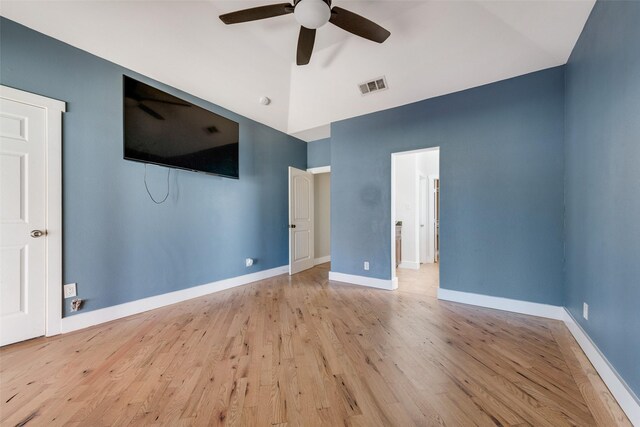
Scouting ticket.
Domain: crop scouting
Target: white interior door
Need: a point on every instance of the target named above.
(22, 221)
(301, 245)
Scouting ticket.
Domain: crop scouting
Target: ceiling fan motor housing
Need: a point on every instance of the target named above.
(328, 2)
(312, 14)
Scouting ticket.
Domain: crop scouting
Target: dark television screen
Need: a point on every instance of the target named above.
(163, 129)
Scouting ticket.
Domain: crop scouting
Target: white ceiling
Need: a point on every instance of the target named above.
(435, 48)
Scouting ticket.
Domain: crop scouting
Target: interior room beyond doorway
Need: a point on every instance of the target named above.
(416, 218)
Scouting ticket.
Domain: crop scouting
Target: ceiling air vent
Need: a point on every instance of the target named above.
(373, 86)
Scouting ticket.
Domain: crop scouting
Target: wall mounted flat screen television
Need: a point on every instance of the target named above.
(165, 130)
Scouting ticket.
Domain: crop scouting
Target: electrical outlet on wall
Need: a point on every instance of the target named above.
(70, 290)
(585, 310)
(366, 265)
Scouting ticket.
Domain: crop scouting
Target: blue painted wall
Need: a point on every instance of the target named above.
(514, 155)
(602, 183)
(501, 170)
(319, 153)
(118, 245)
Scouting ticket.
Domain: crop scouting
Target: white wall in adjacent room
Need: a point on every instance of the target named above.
(406, 207)
(429, 162)
(322, 221)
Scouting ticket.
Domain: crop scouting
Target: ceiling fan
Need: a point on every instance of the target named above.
(311, 14)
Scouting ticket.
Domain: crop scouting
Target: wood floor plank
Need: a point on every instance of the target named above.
(303, 351)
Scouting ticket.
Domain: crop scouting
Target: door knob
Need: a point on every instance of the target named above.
(292, 226)
(37, 233)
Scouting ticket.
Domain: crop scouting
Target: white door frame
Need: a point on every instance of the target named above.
(432, 217)
(320, 169)
(393, 204)
(53, 217)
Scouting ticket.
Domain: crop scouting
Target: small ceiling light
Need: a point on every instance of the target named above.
(264, 100)
(312, 14)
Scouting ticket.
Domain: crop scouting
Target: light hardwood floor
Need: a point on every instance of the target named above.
(301, 351)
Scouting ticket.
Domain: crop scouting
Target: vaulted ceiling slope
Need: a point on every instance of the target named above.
(435, 48)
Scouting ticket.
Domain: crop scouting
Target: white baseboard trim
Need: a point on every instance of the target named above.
(322, 260)
(506, 304)
(409, 264)
(627, 400)
(95, 317)
(364, 281)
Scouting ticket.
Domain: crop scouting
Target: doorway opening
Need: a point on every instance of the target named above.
(309, 218)
(322, 217)
(415, 220)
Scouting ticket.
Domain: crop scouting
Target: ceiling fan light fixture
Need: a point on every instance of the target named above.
(312, 14)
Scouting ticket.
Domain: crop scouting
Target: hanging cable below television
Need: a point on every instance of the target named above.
(149, 192)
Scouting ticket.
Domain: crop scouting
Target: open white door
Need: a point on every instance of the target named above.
(301, 255)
